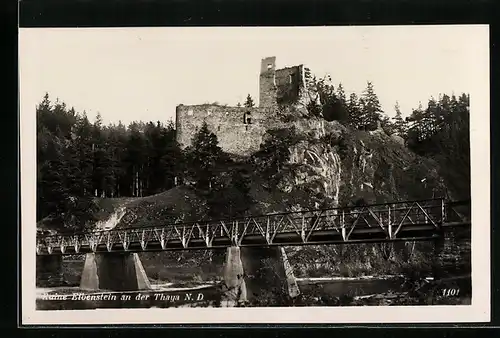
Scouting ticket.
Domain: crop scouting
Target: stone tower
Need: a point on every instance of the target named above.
(267, 82)
(280, 86)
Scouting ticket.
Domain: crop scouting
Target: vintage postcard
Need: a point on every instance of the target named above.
(255, 175)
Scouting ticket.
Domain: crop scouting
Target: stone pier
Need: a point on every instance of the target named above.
(114, 271)
(259, 275)
(49, 271)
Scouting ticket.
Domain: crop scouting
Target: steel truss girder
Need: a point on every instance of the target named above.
(388, 221)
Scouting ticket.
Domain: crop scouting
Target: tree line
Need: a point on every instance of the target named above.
(78, 160)
(442, 123)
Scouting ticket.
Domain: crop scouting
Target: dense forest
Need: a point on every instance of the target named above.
(79, 160)
(439, 131)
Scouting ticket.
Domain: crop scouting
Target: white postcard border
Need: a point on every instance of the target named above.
(478, 311)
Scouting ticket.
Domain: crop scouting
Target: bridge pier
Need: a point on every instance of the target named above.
(259, 275)
(114, 271)
(49, 271)
(236, 291)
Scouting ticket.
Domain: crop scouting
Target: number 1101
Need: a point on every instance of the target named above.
(450, 292)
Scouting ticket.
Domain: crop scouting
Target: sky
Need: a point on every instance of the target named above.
(132, 74)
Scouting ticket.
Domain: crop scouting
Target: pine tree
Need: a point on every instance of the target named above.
(415, 132)
(110, 161)
(115, 144)
(57, 162)
(136, 158)
(163, 157)
(249, 102)
(172, 161)
(355, 112)
(341, 95)
(274, 153)
(72, 162)
(399, 123)
(83, 144)
(451, 144)
(204, 158)
(61, 121)
(55, 181)
(371, 108)
(428, 123)
(151, 136)
(43, 113)
(99, 157)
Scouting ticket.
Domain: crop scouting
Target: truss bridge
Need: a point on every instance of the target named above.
(398, 221)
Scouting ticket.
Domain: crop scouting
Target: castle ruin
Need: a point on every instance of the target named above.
(240, 129)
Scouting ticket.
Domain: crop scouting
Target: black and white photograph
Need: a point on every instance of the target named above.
(310, 174)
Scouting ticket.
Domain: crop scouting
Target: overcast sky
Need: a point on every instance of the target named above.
(144, 73)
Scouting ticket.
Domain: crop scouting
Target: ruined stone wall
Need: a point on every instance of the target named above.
(238, 129)
(280, 86)
(283, 86)
(289, 84)
(267, 83)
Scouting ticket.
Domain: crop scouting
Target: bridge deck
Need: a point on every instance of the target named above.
(402, 221)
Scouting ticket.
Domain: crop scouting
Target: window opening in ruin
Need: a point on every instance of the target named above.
(269, 66)
(290, 78)
(246, 119)
(218, 128)
(246, 127)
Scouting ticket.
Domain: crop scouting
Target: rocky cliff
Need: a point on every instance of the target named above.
(331, 165)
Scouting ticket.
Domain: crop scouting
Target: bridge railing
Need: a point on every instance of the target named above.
(352, 210)
(387, 218)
